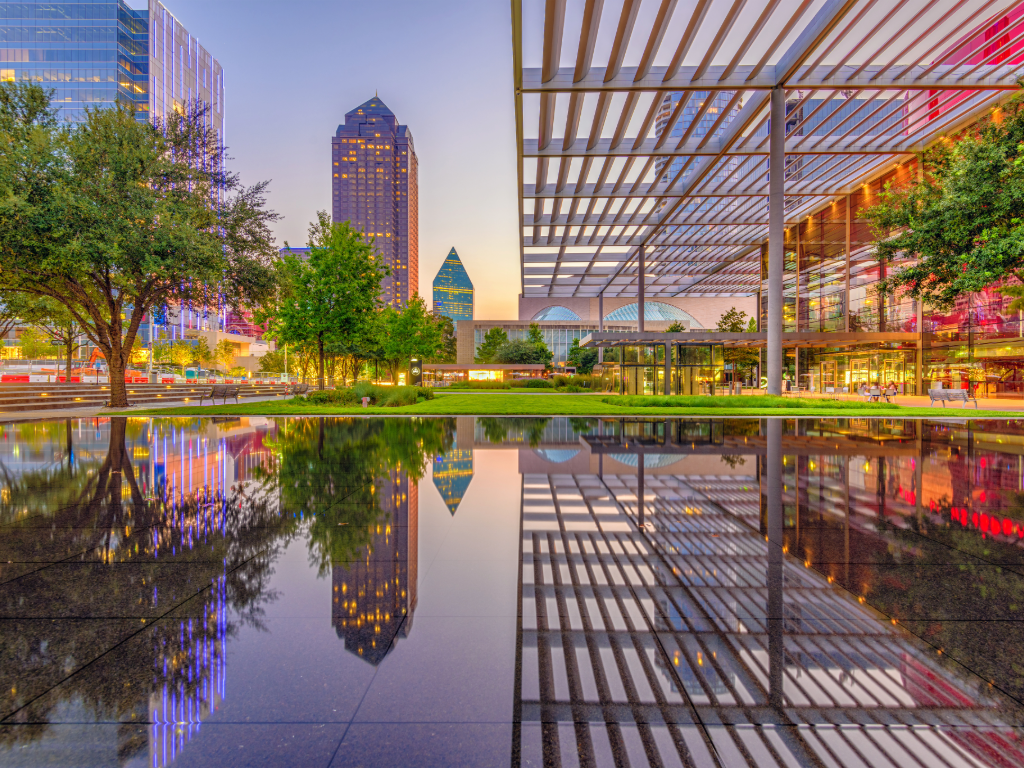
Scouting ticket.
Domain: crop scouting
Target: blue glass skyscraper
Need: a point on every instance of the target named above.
(94, 53)
(453, 290)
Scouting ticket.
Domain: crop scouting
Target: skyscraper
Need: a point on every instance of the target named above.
(453, 290)
(375, 189)
(95, 53)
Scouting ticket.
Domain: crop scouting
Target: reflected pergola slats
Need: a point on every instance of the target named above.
(646, 126)
(647, 628)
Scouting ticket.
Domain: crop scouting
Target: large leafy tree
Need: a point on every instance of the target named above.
(494, 339)
(407, 333)
(960, 227)
(448, 351)
(113, 217)
(330, 297)
(584, 360)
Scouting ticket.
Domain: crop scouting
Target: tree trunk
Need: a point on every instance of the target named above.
(67, 370)
(320, 370)
(115, 371)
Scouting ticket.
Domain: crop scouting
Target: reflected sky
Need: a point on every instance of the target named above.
(523, 592)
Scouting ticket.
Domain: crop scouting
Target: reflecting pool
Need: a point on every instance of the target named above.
(511, 592)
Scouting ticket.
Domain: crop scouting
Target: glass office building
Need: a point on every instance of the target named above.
(375, 189)
(453, 290)
(93, 54)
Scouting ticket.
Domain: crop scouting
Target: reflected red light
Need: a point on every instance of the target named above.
(1007, 526)
(974, 519)
(982, 496)
(984, 522)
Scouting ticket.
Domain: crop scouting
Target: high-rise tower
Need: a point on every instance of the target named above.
(375, 189)
(95, 53)
(453, 290)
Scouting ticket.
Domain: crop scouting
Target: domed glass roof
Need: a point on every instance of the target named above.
(557, 314)
(655, 311)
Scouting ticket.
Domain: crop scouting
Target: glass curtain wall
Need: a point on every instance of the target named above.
(694, 369)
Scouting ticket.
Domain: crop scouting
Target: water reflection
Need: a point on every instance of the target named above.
(90, 509)
(701, 592)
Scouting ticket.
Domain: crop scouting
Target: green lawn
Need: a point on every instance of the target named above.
(506, 404)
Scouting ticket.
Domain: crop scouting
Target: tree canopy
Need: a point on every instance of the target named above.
(959, 227)
(493, 340)
(114, 218)
(330, 297)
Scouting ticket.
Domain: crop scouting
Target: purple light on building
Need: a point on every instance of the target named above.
(375, 189)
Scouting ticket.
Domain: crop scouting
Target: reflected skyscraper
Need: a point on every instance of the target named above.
(374, 597)
(453, 472)
(374, 181)
(453, 290)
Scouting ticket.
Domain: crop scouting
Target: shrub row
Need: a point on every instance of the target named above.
(388, 397)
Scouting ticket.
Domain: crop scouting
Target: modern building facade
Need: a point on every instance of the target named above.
(453, 290)
(93, 54)
(375, 189)
(683, 202)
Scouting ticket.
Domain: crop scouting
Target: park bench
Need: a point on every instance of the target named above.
(951, 395)
(296, 389)
(223, 391)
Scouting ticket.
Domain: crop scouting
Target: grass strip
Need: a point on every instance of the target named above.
(578, 405)
(730, 403)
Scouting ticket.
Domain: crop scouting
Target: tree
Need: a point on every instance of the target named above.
(493, 341)
(272, 362)
(35, 344)
(224, 354)
(202, 354)
(959, 228)
(331, 297)
(50, 318)
(114, 217)
(584, 360)
(742, 359)
(676, 327)
(520, 352)
(406, 333)
(60, 324)
(448, 351)
(536, 337)
(733, 321)
(181, 352)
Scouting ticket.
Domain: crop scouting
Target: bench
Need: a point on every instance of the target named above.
(223, 391)
(951, 395)
(296, 389)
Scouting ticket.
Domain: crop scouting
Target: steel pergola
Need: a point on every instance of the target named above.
(645, 137)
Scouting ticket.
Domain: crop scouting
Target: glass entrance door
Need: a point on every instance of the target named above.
(860, 372)
(828, 374)
(892, 373)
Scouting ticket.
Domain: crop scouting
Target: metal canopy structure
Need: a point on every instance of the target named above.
(643, 125)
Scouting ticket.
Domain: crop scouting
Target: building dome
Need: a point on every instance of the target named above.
(654, 311)
(557, 314)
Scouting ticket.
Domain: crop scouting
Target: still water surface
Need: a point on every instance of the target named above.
(511, 592)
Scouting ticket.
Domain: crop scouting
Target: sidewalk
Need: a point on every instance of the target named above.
(7, 417)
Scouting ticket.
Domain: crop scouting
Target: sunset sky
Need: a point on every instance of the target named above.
(444, 68)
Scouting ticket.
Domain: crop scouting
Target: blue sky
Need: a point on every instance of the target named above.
(292, 70)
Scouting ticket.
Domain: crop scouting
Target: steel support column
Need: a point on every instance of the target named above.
(776, 654)
(640, 289)
(668, 368)
(600, 324)
(776, 227)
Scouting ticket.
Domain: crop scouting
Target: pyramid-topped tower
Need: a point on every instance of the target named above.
(453, 290)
